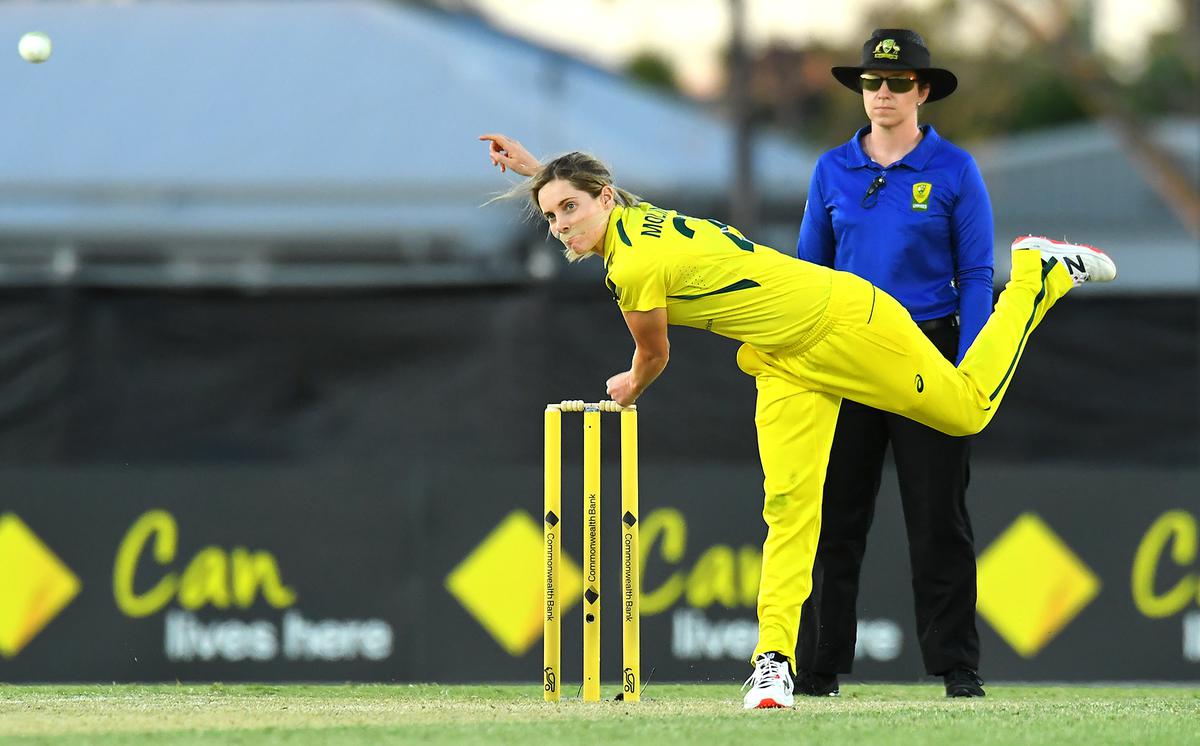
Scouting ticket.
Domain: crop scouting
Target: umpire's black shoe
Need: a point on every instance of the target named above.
(813, 684)
(963, 682)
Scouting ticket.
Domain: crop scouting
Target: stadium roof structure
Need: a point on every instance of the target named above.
(1077, 182)
(220, 129)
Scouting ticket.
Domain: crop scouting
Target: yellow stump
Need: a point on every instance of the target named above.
(630, 568)
(552, 530)
(631, 588)
(591, 543)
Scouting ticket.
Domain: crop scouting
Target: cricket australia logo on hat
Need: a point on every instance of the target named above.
(921, 192)
(887, 49)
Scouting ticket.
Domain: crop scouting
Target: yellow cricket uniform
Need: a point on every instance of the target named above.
(811, 337)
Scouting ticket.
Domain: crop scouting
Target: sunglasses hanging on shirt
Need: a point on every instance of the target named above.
(872, 196)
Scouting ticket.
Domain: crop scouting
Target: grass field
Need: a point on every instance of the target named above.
(515, 714)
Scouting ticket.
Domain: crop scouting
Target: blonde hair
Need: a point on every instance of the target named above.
(582, 171)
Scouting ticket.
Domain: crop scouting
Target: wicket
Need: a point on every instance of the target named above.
(552, 527)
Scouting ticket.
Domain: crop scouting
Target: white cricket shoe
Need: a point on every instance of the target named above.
(1084, 263)
(770, 684)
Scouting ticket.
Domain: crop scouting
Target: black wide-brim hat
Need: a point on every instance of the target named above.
(898, 49)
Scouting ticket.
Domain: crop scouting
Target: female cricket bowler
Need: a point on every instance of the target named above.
(810, 335)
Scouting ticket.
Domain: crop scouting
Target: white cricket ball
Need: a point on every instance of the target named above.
(34, 47)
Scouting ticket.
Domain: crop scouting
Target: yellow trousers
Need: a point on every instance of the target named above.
(867, 348)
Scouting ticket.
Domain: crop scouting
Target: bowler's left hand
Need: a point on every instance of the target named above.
(621, 389)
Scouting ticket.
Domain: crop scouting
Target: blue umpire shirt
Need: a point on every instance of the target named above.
(925, 236)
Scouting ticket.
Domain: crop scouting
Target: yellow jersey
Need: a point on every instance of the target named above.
(709, 276)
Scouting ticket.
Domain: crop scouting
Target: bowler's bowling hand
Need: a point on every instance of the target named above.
(507, 153)
(621, 389)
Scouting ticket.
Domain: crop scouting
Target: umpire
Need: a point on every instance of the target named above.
(907, 210)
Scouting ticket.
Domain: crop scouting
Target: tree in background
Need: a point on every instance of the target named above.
(1170, 82)
(654, 70)
(1021, 71)
(1092, 81)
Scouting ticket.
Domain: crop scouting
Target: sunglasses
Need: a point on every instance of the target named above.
(897, 84)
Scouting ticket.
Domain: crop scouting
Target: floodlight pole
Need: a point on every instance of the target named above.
(743, 198)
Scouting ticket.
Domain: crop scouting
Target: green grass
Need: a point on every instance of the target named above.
(515, 714)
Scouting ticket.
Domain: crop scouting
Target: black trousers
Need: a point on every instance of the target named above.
(933, 470)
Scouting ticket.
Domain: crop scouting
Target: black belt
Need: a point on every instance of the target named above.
(931, 325)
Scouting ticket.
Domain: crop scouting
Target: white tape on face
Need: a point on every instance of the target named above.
(583, 226)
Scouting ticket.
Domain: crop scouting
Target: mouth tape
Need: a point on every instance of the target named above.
(582, 227)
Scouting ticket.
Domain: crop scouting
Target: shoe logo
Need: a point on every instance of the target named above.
(1075, 264)
(920, 384)
(630, 681)
(551, 679)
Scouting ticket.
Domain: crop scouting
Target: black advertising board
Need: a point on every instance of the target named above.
(260, 574)
(335, 487)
